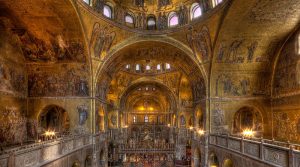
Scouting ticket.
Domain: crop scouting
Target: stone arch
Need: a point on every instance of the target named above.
(285, 67)
(138, 39)
(228, 163)
(172, 96)
(54, 118)
(213, 160)
(248, 118)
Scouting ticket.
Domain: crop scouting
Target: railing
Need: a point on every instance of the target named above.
(41, 153)
(33, 145)
(275, 153)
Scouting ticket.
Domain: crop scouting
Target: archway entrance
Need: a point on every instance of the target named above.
(213, 160)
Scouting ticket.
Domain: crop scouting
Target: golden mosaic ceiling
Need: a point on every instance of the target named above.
(153, 6)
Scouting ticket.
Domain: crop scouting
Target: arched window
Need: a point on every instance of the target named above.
(127, 66)
(146, 118)
(151, 23)
(196, 11)
(129, 19)
(173, 19)
(168, 66)
(148, 67)
(107, 11)
(134, 119)
(217, 2)
(158, 67)
(137, 67)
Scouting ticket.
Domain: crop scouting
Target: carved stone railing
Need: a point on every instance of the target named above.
(41, 153)
(275, 153)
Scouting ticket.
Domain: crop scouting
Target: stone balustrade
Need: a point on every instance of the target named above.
(267, 151)
(41, 153)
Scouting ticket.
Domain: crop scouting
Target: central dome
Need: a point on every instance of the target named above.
(153, 6)
(153, 14)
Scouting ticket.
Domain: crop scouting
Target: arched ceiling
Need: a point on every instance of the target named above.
(246, 46)
(148, 96)
(150, 53)
(50, 37)
(44, 19)
(49, 31)
(153, 6)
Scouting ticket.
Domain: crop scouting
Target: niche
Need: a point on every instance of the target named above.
(248, 118)
(54, 118)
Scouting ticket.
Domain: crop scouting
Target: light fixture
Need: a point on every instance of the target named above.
(191, 128)
(141, 108)
(248, 133)
(169, 125)
(49, 133)
(201, 132)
